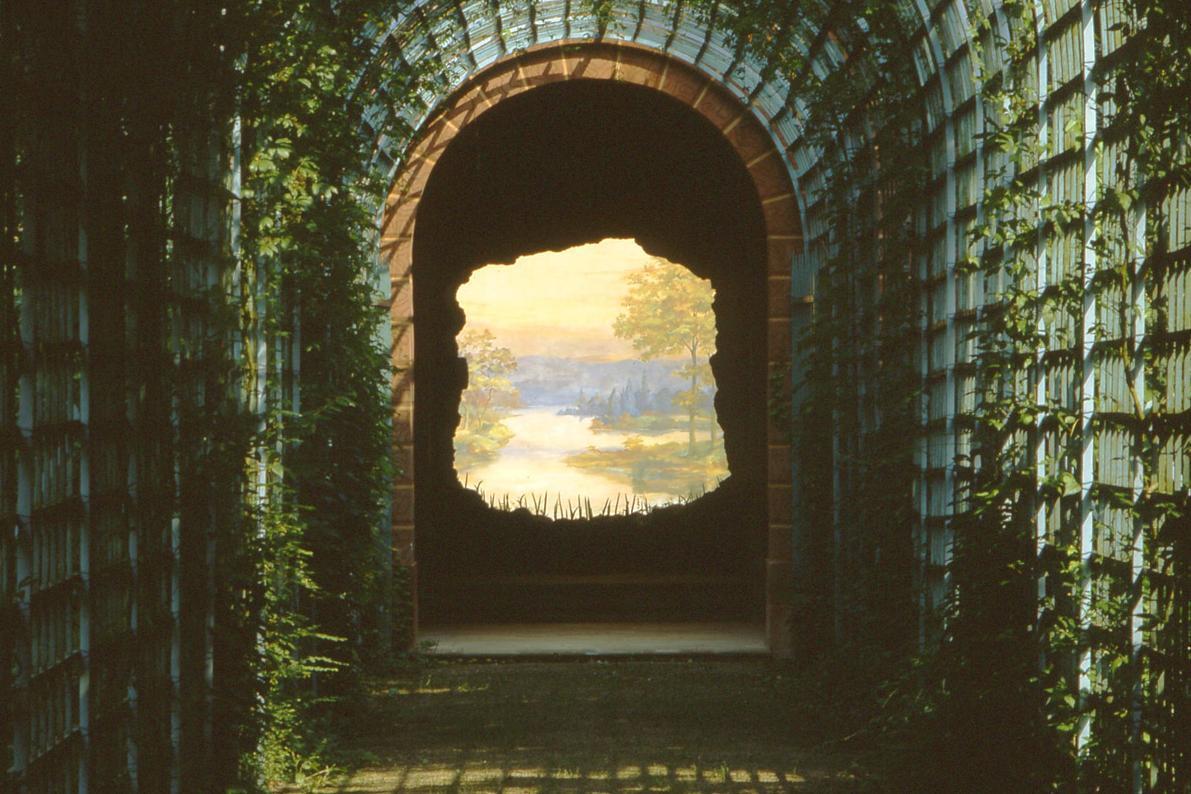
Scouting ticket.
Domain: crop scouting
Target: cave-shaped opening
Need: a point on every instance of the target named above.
(561, 166)
(590, 389)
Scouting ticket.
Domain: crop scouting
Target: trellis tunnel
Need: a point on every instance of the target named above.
(547, 126)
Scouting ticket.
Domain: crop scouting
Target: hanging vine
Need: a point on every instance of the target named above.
(326, 602)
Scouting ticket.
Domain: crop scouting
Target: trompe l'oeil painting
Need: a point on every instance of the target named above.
(590, 389)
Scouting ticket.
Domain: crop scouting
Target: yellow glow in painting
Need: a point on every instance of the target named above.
(556, 303)
(589, 388)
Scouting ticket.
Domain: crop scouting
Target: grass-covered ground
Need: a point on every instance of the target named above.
(592, 726)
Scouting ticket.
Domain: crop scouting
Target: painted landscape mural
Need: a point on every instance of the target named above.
(589, 388)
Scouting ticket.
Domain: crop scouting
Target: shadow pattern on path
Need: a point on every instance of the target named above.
(534, 727)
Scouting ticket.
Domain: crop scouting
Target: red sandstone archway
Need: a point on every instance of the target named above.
(635, 65)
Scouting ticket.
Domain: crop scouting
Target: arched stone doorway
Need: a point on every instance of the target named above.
(775, 237)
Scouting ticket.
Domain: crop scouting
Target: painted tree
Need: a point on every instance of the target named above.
(489, 389)
(667, 312)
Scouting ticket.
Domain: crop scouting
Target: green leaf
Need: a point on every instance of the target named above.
(1070, 484)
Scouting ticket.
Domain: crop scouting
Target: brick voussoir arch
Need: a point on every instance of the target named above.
(637, 65)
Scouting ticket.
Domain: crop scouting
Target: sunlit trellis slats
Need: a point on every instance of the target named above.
(552, 20)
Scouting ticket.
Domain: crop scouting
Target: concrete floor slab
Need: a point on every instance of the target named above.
(596, 639)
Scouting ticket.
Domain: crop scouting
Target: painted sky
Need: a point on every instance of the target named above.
(556, 303)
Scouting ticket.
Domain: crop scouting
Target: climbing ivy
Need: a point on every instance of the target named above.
(986, 672)
(1138, 688)
(1038, 644)
(1046, 635)
(855, 420)
(308, 73)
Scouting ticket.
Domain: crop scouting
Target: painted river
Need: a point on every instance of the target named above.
(534, 462)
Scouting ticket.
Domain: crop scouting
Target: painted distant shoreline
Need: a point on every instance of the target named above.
(558, 381)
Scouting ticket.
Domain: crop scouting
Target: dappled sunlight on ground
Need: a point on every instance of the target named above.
(595, 726)
(514, 779)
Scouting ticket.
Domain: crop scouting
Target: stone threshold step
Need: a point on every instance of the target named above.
(595, 639)
(583, 580)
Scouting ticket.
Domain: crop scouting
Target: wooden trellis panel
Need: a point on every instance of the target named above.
(116, 360)
(11, 624)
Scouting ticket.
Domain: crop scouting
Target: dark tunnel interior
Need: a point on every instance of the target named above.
(553, 168)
